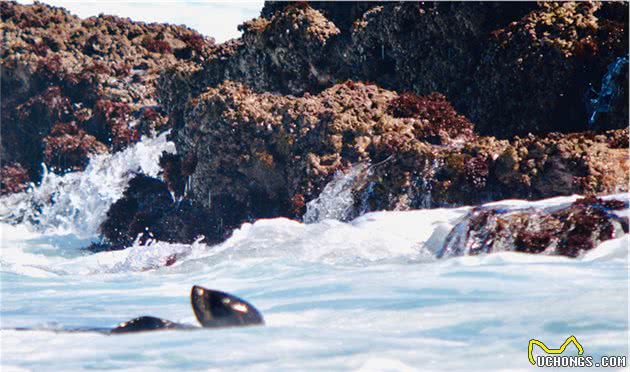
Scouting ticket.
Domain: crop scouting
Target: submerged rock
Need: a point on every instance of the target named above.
(566, 231)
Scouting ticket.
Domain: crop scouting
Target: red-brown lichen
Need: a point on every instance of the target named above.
(438, 122)
(152, 44)
(13, 178)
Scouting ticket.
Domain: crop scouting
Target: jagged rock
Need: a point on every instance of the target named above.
(264, 152)
(533, 167)
(564, 164)
(263, 123)
(512, 68)
(424, 46)
(540, 69)
(13, 178)
(68, 147)
(342, 16)
(268, 155)
(98, 73)
(147, 211)
(288, 53)
(566, 231)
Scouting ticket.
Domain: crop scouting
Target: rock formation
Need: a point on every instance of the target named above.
(271, 121)
(442, 104)
(566, 231)
(147, 211)
(73, 87)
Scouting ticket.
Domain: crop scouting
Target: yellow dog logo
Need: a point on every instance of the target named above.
(547, 350)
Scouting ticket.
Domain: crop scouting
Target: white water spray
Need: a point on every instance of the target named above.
(336, 201)
(77, 202)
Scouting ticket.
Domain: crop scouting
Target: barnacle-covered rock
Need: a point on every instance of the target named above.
(566, 231)
(98, 72)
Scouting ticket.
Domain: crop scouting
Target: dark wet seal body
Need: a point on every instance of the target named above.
(213, 309)
(148, 323)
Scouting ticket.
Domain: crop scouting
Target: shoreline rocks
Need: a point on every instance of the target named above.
(566, 231)
(430, 104)
(272, 154)
(72, 87)
(542, 63)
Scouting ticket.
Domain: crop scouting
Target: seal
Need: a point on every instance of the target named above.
(212, 308)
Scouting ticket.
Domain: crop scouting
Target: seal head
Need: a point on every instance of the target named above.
(219, 309)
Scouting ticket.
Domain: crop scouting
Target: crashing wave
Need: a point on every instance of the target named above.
(77, 202)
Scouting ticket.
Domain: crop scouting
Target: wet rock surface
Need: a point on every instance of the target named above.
(147, 211)
(525, 74)
(271, 154)
(567, 231)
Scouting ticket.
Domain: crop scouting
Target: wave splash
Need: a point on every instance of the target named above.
(77, 202)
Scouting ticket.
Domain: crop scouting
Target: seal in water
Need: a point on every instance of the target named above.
(213, 309)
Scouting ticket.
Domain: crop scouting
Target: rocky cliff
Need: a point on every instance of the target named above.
(72, 87)
(420, 104)
(466, 103)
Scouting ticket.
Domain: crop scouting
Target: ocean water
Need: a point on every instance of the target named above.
(365, 295)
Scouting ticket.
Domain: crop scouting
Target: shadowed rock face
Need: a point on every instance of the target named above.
(147, 211)
(566, 231)
(72, 87)
(542, 68)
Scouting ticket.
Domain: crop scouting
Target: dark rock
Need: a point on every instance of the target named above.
(147, 211)
(441, 124)
(68, 147)
(176, 172)
(539, 69)
(512, 68)
(269, 155)
(566, 231)
(343, 16)
(264, 152)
